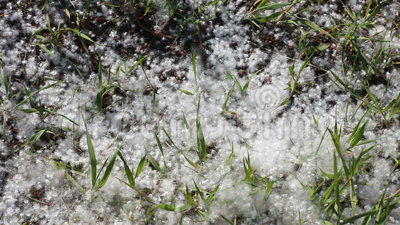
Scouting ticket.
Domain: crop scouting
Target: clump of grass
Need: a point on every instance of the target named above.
(197, 201)
(260, 6)
(104, 89)
(53, 36)
(338, 188)
(255, 180)
(132, 175)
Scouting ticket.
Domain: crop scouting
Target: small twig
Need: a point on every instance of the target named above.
(40, 202)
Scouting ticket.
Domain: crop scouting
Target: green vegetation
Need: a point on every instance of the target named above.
(365, 58)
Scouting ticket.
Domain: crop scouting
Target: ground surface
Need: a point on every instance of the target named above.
(199, 112)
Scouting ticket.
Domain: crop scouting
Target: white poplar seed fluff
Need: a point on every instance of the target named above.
(281, 141)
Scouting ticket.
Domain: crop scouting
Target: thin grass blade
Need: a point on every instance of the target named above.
(358, 135)
(166, 207)
(107, 173)
(128, 172)
(35, 92)
(201, 143)
(140, 166)
(92, 156)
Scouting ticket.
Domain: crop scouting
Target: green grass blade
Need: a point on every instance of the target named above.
(314, 26)
(376, 10)
(336, 184)
(128, 172)
(199, 191)
(231, 222)
(87, 5)
(353, 219)
(328, 175)
(396, 106)
(92, 157)
(153, 163)
(68, 167)
(358, 135)
(211, 3)
(43, 110)
(154, 102)
(35, 92)
(327, 194)
(211, 196)
(262, 3)
(203, 214)
(201, 143)
(372, 97)
(82, 35)
(170, 141)
(99, 101)
(229, 159)
(302, 67)
(248, 170)
(235, 79)
(390, 105)
(193, 59)
(315, 120)
(74, 182)
(357, 162)
(34, 138)
(39, 134)
(184, 208)
(185, 122)
(159, 144)
(350, 13)
(337, 78)
(189, 197)
(195, 165)
(107, 173)
(273, 6)
(286, 100)
(268, 188)
(388, 209)
(6, 83)
(100, 75)
(336, 141)
(65, 117)
(140, 166)
(161, 148)
(228, 96)
(185, 92)
(166, 207)
(34, 110)
(138, 62)
(376, 103)
(246, 85)
(44, 48)
(268, 18)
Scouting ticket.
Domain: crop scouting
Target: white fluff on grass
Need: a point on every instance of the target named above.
(281, 141)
